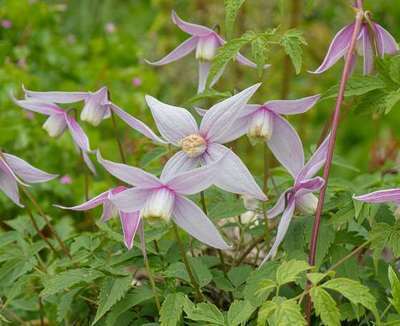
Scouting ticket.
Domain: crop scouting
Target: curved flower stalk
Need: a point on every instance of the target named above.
(97, 108)
(382, 196)
(164, 198)
(58, 121)
(372, 40)
(203, 145)
(130, 221)
(264, 122)
(299, 196)
(14, 171)
(205, 42)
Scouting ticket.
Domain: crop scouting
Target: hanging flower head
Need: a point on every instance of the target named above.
(14, 171)
(203, 145)
(155, 199)
(205, 42)
(373, 40)
(382, 196)
(299, 196)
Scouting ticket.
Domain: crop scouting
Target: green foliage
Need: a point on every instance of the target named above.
(395, 286)
(292, 42)
(280, 312)
(171, 309)
(232, 8)
(325, 306)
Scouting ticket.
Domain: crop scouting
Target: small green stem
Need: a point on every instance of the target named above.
(195, 285)
(120, 148)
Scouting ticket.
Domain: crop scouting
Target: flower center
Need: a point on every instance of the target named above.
(55, 125)
(207, 48)
(307, 204)
(261, 126)
(194, 145)
(159, 206)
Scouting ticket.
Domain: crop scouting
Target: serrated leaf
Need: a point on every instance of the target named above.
(171, 309)
(259, 49)
(391, 99)
(289, 271)
(315, 278)
(64, 304)
(207, 312)
(239, 312)
(265, 312)
(292, 42)
(65, 280)
(288, 312)
(201, 271)
(395, 287)
(325, 307)
(232, 8)
(265, 287)
(238, 275)
(112, 290)
(384, 235)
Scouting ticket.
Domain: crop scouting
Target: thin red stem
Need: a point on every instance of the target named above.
(332, 141)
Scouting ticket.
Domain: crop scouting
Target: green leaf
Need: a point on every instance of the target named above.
(177, 270)
(259, 50)
(152, 156)
(292, 42)
(325, 306)
(394, 70)
(384, 235)
(289, 271)
(315, 278)
(395, 286)
(112, 290)
(391, 99)
(288, 312)
(354, 291)
(265, 287)
(171, 309)
(238, 275)
(226, 207)
(64, 304)
(231, 11)
(201, 271)
(208, 94)
(239, 312)
(65, 280)
(206, 312)
(265, 312)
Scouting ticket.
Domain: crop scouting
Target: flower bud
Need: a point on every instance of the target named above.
(159, 205)
(55, 125)
(261, 125)
(193, 145)
(307, 204)
(207, 48)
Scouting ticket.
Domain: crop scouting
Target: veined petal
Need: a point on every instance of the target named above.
(337, 48)
(131, 200)
(204, 69)
(178, 163)
(136, 124)
(109, 211)
(10, 187)
(178, 53)
(282, 230)
(174, 123)
(56, 97)
(77, 133)
(219, 119)
(192, 29)
(38, 106)
(246, 62)
(192, 219)
(233, 175)
(130, 223)
(380, 196)
(238, 129)
(289, 107)
(96, 107)
(129, 174)
(27, 172)
(279, 206)
(286, 145)
(92, 203)
(368, 51)
(308, 186)
(385, 41)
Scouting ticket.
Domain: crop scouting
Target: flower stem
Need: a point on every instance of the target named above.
(120, 148)
(331, 145)
(195, 285)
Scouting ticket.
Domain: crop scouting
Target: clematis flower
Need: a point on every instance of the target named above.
(299, 196)
(205, 42)
(130, 221)
(203, 145)
(371, 34)
(97, 108)
(264, 122)
(154, 199)
(382, 196)
(14, 171)
(57, 122)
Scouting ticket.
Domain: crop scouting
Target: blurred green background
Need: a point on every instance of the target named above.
(85, 44)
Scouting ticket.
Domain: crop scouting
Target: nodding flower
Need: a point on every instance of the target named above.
(205, 42)
(382, 196)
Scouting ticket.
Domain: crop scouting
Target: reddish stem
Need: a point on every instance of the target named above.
(332, 141)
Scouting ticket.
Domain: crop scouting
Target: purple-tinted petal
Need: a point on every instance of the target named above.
(130, 224)
(192, 219)
(308, 186)
(92, 203)
(178, 163)
(88, 162)
(192, 29)
(316, 161)
(136, 124)
(367, 51)
(238, 129)
(129, 174)
(282, 230)
(10, 187)
(174, 123)
(109, 211)
(204, 69)
(57, 97)
(77, 133)
(233, 175)
(288, 107)
(381, 196)
(385, 41)
(286, 145)
(96, 107)
(337, 48)
(279, 206)
(39, 106)
(181, 51)
(27, 172)
(131, 200)
(218, 121)
(246, 62)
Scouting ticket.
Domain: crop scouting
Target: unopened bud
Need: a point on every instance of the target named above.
(307, 204)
